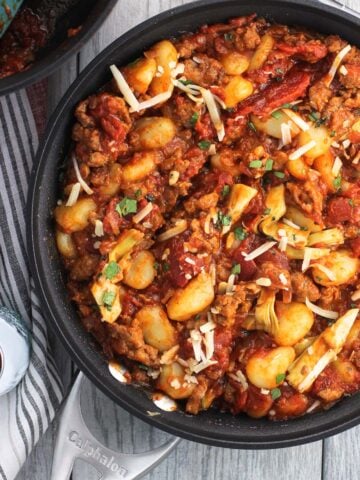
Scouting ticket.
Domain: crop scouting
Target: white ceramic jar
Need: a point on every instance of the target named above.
(14, 349)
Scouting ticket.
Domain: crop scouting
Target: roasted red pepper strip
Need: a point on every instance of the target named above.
(292, 87)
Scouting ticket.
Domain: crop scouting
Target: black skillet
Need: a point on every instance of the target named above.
(211, 426)
(61, 15)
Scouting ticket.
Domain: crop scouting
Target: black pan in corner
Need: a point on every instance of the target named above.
(209, 427)
(65, 14)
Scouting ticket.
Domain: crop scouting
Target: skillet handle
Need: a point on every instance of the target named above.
(342, 6)
(74, 440)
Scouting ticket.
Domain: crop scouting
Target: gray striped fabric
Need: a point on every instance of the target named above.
(26, 412)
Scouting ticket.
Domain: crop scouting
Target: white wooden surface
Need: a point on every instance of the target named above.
(334, 459)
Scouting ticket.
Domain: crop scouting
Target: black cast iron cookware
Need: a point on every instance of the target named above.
(61, 15)
(209, 427)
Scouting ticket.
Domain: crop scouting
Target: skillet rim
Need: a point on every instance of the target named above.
(59, 55)
(328, 423)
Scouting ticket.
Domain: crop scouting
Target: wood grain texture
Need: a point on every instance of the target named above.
(333, 459)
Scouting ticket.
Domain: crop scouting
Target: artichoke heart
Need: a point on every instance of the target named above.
(316, 357)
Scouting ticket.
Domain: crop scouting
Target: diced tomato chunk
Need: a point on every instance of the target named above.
(339, 210)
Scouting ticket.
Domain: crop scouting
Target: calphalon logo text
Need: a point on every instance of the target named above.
(97, 454)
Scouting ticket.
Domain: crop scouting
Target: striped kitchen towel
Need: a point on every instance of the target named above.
(25, 412)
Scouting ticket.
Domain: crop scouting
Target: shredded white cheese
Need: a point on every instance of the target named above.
(296, 119)
(175, 384)
(99, 228)
(302, 150)
(212, 149)
(240, 378)
(321, 311)
(196, 339)
(208, 326)
(283, 244)
(330, 274)
(356, 160)
(343, 70)
(82, 182)
(74, 194)
(285, 134)
(162, 97)
(283, 279)
(203, 365)
(190, 261)
(290, 223)
(209, 344)
(336, 167)
(213, 112)
(180, 227)
(307, 259)
(313, 406)
(263, 282)
(336, 63)
(259, 251)
(124, 88)
(144, 212)
(329, 356)
(346, 143)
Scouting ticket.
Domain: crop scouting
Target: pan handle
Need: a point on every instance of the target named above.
(341, 5)
(74, 440)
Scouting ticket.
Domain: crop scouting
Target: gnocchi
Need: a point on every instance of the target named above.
(141, 270)
(264, 366)
(157, 330)
(75, 218)
(155, 132)
(172, 382)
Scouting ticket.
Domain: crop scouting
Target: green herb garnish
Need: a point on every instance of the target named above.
(166, 267)
(204, 144)
(108, 299)
(280, 378)
(126, 206)
(275, 393)
(111, 269)
(269, 164)
(276, 114)
(252, 126)
(267, 211)
(332, 133)
(223, 220)
(225, 191)
(316, 117)
(255, 164)
(279, 174)
(236, 269)
(351, 202)
(186, 82)
(194, 118)
(337, 182)
(240, 233)
(138, 193)
(156, 265)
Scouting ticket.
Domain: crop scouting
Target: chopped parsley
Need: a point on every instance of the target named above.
(197, 316)
(276, 114)
(156, 265)
(267, 211)
(240, 233)
(304, 229)
(332, 133)
(279, 71)
(337, 182)
(108, 299)
(194, 118)
(165, 267)
(236, 269)
(111, 270)
(287, 105)
(229, 37)
(252, 126)
(280, 378)
(186, 82)
(204, 144)
(316, 118)
(351, 202)
(126, 206)
(275, 393)
(225, 191)
(223, 220)
(279, 174)
(255, 164)
(269, 164)
(352, 305)
(138, 193)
